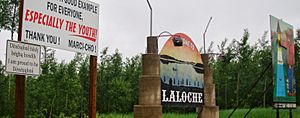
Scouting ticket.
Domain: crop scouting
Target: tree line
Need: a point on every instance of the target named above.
(62, 88)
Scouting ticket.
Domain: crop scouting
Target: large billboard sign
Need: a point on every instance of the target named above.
(65, 24)
(283, 61)
(22, 58)
(181, 73)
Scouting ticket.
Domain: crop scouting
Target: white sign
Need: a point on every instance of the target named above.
(22, 58)
(65, 24)
(285, 105)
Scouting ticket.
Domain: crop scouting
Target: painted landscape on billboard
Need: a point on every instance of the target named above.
(283, 61)
(181, 72)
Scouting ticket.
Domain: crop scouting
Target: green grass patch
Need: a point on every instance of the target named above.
(165, 115)
(177, 115)
(260, 113)
(239, 113)
(115, 115)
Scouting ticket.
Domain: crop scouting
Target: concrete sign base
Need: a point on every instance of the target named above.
(209, 110)
(149, 84)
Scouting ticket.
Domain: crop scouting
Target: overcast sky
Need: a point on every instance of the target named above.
(124, 24)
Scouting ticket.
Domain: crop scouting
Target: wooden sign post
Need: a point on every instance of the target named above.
(93, 81)
(20, 79)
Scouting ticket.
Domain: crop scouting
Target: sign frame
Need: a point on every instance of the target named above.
(62, 25)
(283, 62)
(20, 73)
(181, 73)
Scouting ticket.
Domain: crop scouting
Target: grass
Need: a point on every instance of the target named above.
(115, 115)
(175, 115)
(239, 113)
(165, 115)
(260, 113)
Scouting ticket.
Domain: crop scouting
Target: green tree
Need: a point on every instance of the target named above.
(7, 93)
(4, 14)
(4, 93)
(238, 68)
(84, 82)
(111, 67)
(41, 90)
(117, 82)
(132, 72)
(58, 90)
(224, 71)
(262, 59)
(9, 16)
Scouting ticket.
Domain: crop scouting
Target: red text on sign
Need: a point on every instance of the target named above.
(43, 19)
